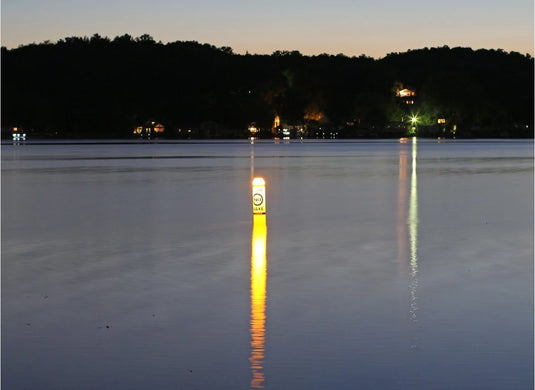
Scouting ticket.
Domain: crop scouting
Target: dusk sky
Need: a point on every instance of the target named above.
(370, 27)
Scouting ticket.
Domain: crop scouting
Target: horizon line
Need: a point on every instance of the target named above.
(248, 52)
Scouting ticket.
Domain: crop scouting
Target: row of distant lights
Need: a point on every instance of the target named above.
(331, 135)
(18, 136)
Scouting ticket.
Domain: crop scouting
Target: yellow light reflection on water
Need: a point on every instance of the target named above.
(258, 300)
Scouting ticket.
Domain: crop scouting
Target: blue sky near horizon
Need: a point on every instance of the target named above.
(370, 27)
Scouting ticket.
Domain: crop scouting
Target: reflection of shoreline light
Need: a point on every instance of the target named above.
(252, 161)
(413, 233)
(258, 300)
(402, 217)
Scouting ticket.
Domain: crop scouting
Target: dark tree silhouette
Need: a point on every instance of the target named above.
(100, 87)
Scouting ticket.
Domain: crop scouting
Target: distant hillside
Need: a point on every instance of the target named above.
(99, 87)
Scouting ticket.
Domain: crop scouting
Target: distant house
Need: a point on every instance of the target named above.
(18, 134)
(313, 113)
(406, 95)
(282, 129)
(149, 128)
(253, 130)
(405, 92)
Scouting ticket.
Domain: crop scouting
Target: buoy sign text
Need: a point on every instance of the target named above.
(259, 196)
(258, 199)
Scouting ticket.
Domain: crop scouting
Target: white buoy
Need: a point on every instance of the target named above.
(259, 196)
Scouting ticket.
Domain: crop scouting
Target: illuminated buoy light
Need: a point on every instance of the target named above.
(259, 196)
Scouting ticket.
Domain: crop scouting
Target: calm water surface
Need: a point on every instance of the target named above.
(379, 265)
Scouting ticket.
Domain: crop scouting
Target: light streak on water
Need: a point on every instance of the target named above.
(258, 300)
(412, 221)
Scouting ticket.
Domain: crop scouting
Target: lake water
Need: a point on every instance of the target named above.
(379, 265)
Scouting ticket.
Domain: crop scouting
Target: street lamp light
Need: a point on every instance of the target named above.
(414, 120)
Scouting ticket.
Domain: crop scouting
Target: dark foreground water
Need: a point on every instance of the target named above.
(380, 265)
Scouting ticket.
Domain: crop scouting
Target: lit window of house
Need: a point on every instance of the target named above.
(405, 92)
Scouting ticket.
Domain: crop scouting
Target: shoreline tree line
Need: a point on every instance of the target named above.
(97, 87)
